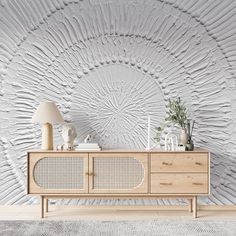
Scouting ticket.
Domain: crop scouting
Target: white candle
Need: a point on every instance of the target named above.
(149, 132)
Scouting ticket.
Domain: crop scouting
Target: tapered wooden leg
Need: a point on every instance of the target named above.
(195, 206)
(190, 205)
(42, 206)
(46, 204)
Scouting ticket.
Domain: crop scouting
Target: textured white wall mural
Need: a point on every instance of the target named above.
(110, 63)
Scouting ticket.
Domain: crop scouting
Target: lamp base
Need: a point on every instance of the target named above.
(47, 137)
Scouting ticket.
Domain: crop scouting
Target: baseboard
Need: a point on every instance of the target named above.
(139, 207)
(130, 207)
(218, 207)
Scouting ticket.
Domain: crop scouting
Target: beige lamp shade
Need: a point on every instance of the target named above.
(47, 114)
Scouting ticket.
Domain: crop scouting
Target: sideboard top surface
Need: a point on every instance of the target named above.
(118, 151)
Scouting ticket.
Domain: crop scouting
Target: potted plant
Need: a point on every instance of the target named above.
(177, 115)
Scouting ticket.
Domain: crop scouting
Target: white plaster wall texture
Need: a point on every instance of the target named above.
(110, 63)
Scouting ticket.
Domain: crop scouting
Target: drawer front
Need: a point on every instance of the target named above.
(179, 183)
(179, 162)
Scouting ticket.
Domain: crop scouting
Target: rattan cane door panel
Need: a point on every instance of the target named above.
(58, 173)
(118, 173)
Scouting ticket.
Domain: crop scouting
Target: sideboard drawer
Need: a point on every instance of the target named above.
(179, 183)
(179, 162)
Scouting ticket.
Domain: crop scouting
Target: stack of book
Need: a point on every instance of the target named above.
(88, 146)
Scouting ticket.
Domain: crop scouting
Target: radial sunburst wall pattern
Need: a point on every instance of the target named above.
(110, 63)
(112, 104)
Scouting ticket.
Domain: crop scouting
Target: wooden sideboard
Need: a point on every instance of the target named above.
(118, 174)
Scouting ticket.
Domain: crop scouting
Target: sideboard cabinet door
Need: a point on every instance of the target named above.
(122, 173)
(57, 173)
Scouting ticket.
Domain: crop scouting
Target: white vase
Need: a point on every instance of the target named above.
(183, 138)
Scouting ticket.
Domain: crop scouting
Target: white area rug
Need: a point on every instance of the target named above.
(115, 228)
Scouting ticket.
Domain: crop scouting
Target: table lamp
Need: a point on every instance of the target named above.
(47, 114)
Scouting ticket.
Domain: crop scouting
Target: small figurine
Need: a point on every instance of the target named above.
(88, 138)
(69, 134)
(59, 147)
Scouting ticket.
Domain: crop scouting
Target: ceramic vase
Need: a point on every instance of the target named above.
(183, 138)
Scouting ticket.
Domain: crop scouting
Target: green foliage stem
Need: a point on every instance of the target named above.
(177, 114)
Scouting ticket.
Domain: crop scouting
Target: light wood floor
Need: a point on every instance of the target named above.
(26, 212)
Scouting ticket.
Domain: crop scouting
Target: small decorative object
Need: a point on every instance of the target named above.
(148, 133)
(59, 147)
(88, 146)
(88, 138)
(171, 142)
(190, 144)
(47, 114)
(181, 148)
(69, 134)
